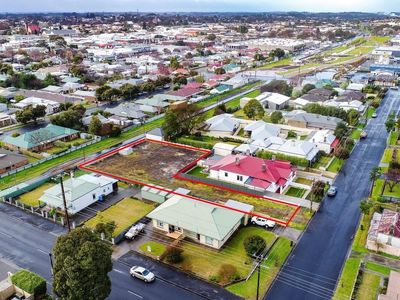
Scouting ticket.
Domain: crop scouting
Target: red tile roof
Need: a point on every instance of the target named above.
(186, 92)
(276, 171)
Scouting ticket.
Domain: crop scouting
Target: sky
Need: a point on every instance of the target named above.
(198, 5)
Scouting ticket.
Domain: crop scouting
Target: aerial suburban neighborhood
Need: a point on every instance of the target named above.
(199, 150)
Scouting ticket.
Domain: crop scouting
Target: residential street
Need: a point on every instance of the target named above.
(25, 244)
(314, 266)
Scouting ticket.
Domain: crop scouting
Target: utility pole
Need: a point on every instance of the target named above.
(65, 203)
(258, 278)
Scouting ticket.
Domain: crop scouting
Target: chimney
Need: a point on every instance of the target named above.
(237, 160)
(263, 167)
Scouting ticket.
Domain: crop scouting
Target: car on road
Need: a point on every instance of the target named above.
(394, 88)
(374, 115)
(142, 274)
(363, 135)
(263, 222)
(332, 191)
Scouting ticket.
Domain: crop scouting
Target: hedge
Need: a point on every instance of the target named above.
(29, 282)
(194, 143)
(295, 160)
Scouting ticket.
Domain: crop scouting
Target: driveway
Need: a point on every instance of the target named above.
(314, 266)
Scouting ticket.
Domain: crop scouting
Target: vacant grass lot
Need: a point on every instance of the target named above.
(369, 287)
(347, 279)
(303, 180)
(206, 262)
(275, 64)
(336, 165)
(32, 198)
(124, 213)
(271, 267)
(393, 137)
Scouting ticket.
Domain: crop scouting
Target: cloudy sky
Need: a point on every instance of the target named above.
(197, 5)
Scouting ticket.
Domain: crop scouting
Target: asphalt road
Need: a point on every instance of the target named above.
(313, 267)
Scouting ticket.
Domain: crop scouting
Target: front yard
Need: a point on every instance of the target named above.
(336, 165)
(347, 279)
(295, 192)
(124, 213)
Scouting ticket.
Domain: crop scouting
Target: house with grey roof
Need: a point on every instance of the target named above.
(261, 130)
(128, 110)
(158, 102)
(40, 139)
(302, 119)
(10, 160)
(223, 124)
(80, 192)
(201, 222)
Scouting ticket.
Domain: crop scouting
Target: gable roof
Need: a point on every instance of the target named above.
(199, 217)
(275, 171)
(223, 122)
(262, 130)
(43, 135)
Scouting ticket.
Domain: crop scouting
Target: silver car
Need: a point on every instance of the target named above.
(332, 191)
(142, 273)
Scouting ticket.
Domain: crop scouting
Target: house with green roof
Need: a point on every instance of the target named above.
(205, 223)
(80, 192)
(41, 139)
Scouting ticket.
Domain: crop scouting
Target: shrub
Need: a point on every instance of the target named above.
(15, 134)
(294, 160)
(173, 255)
(214, 278)
(342, 153)
(291, 134)
(254, 244)
(29, 282)
(227, 273)
(276, 116)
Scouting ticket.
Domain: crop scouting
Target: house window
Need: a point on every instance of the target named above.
(178, 229)
(209, 241)
(226, 174)
(239, 177)
(94, 196)
(160, 224)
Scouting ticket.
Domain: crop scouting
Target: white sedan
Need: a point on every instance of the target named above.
(263, 222)
(142, 273)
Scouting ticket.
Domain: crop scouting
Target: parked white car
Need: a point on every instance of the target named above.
(134, 231)
(263, 222)
(142, 274)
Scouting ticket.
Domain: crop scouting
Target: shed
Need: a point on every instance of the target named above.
(154, 194)
(223, 149)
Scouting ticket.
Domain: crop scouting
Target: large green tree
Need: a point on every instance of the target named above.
(30, 113)
(253, 109)
(94, 125)
(81, 265)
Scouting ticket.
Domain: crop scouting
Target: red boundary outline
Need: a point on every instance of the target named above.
(84, 166)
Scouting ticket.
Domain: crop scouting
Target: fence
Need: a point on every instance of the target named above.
(223, 184)
(72, 149)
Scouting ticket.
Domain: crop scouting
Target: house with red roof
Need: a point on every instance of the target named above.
(254, 173)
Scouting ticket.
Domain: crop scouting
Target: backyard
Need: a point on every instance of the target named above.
(124, 213)
(32, 198)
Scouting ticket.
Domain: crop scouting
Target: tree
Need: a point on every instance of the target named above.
(95, 125)
(81, 266)
(278, 86)
(365, 206)
(30, 113)
(253, 109)
(374, 174)
(340, 130)
(49, 80)
(71, 118)
(174, 63)
(173, 255)
(276, 116)
(342, 152)
(181, 121)
(100, 92)
(390, 124)
(278, 53)
(242, 29)
(259, 57)
(254, 244)
(308, 87)
(352, 116)
(211, 37)
(219, 71)
(317, 191)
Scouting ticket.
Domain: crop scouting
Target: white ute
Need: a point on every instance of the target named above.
(263, 222)
(134, 231)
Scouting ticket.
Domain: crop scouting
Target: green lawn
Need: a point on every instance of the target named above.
(156, 249)
(355, 134)
(377, 190)
(295, 192)
(384, 270)
(347, 279)
(303, 180)
(206, 262)
(124, 213)
(197, 171)
(361, 50)
(101, 145)
(275, 64)
(369, 287)
(387, 156)
(269, 270)
(32, 198)
(323, 161)
(360, 238)
(393, 137)
(370, 112)
(336, 165)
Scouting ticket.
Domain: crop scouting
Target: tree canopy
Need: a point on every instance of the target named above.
(253, 109)
(81, 265)
(30, 113)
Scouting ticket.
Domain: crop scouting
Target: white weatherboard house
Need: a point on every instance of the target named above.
(80, 192)
(204, 223)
